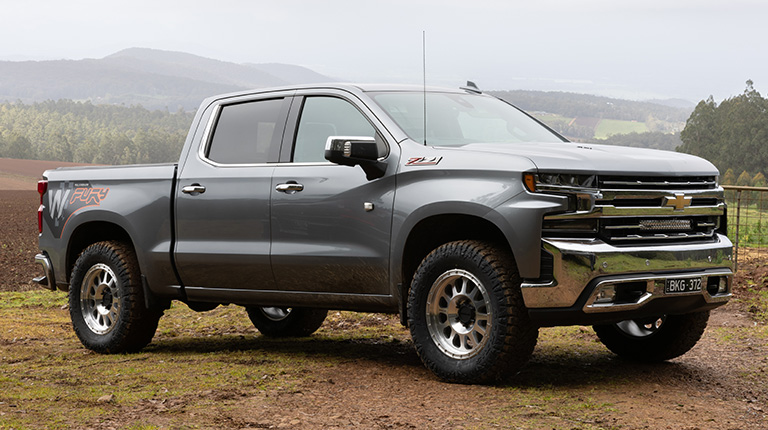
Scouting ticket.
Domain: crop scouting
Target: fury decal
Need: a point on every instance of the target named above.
(68, 199)
(423, 161)
(89, 196)
(57, 199)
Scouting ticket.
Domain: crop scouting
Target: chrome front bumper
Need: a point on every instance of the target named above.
(583, 267)
(48, 280)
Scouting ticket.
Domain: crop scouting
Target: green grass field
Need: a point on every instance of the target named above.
(605, 127)
(553, 120)
(752, 225)
(608, 127)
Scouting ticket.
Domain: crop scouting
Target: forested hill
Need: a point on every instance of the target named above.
(585, 105)
(134, 106)
(152, 78)
(85, 133)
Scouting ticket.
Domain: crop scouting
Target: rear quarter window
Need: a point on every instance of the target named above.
(246, 133)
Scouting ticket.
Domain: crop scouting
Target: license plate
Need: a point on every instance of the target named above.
(682, 285)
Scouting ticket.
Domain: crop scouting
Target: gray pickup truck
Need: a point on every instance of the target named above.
(469, 218)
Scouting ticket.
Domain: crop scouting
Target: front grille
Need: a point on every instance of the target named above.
(628, 210)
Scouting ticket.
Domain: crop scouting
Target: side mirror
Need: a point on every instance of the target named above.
(354, 151)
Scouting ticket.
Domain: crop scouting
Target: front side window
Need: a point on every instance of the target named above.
(322, 117)
(246, 133)
(455, 119)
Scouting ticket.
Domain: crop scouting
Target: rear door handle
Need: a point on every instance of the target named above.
(193, 189)
(290, 187)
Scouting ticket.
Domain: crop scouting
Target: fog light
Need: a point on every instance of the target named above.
(606, 294)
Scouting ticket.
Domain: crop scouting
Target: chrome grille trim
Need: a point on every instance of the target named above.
(666, 183)
(633, 210)
(659, 236)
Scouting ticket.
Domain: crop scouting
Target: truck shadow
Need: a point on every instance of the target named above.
(376, 350)
(549, 366)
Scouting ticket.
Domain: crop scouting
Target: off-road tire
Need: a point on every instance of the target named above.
(654, 339)
(106, 300)
(466, 314)
(288, 322)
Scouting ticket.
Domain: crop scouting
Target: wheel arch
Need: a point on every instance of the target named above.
(435, 230)
(432, 231)
(89, 233)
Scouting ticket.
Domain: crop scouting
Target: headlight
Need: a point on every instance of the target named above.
(581, 189)
(559, 182)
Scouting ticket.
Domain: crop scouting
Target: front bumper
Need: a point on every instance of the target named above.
(582, 268)
(48, 280)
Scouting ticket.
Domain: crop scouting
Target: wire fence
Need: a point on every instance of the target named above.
(747, 222)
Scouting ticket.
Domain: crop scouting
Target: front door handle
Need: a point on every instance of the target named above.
(193, 189)
(290, 187)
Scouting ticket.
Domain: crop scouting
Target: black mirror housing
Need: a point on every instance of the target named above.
(351, 150)
(354, 151)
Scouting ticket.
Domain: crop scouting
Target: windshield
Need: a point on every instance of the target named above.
(455, 119)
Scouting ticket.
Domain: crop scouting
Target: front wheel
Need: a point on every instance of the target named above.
(106, 300)
(654, 339)
(286, 322)
(466, 314)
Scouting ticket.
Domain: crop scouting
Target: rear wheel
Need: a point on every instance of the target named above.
(286, 322)
(106, 300)
(466, 314)
(654, 339)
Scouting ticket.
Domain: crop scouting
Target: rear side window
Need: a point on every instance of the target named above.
(247, 133)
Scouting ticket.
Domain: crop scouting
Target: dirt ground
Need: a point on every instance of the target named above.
(24, 174)
(572, 382)
(18, 239)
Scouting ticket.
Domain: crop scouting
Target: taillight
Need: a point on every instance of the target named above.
(42, 188)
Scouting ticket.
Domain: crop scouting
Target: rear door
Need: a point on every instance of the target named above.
(222, 200)
(330, 225)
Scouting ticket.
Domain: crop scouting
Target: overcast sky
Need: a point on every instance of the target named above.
(634, 49)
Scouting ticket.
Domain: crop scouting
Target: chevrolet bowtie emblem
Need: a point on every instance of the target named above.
(679, 201)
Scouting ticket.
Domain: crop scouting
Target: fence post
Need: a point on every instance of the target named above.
(738, 221)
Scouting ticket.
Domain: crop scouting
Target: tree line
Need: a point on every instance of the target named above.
(745, 179)
(82, 132)
(732, 135)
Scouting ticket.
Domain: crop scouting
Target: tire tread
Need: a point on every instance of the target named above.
(504, 357)
(137, 324)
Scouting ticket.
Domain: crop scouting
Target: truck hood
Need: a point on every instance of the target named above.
(571, 157)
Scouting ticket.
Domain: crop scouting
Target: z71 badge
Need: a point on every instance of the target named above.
(423, 161)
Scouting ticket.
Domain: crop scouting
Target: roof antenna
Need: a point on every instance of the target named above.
(424, 83)
(471, 87)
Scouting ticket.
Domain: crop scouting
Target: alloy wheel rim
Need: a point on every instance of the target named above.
(100, 301)
(459, 314)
